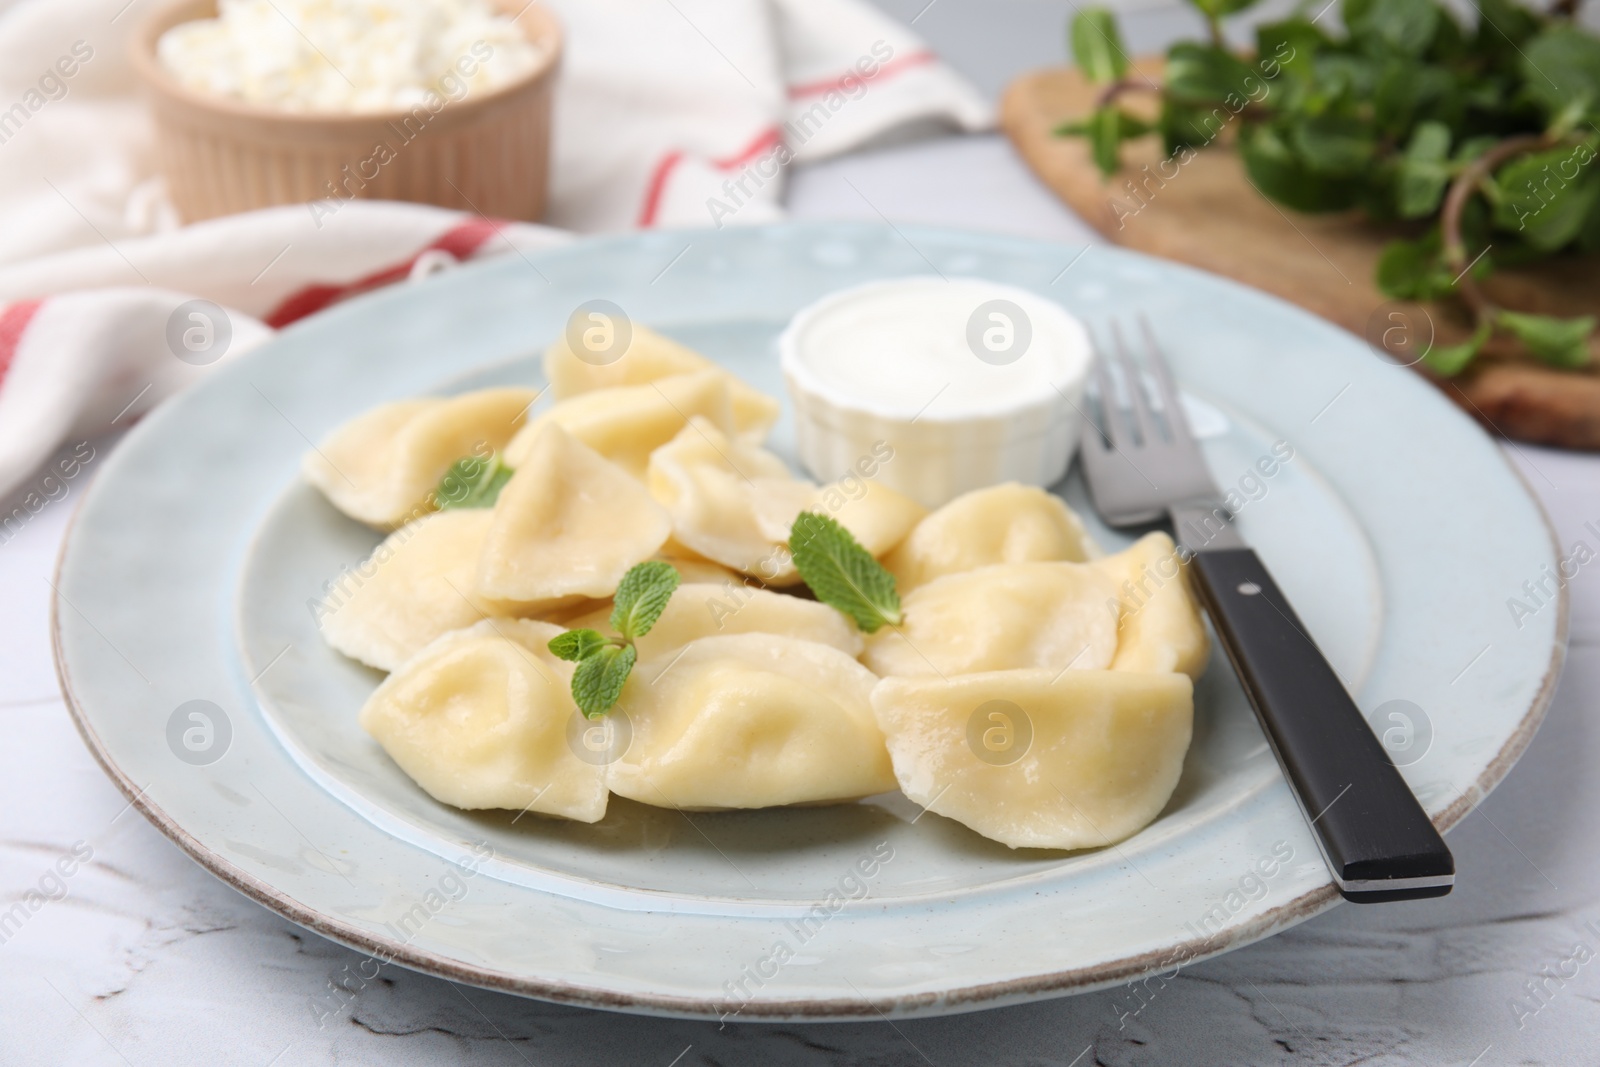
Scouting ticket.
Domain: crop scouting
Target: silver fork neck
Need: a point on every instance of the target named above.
(1204, 525)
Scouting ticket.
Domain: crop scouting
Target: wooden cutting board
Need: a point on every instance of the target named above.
(1206, 213)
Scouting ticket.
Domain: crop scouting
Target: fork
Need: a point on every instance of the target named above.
(1144, 467)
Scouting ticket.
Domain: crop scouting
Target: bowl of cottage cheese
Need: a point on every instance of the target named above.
(265, 102)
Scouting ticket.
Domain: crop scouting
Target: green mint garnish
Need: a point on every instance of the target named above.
(841, 573)
(604, 663)
(472, 482)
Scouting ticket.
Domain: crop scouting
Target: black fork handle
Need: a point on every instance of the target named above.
(1377, 840)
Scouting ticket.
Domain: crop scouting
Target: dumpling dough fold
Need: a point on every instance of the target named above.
(481, 718)
(751, 721)
(1160, 628)
(703, 609)
(1035, 760)
(568, 523)
(1007, 523)
(381, 466)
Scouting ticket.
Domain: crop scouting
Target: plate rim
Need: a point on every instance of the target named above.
(974, 997)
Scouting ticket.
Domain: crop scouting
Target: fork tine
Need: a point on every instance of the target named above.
(1144, 419)
(1113, 429)
(1171, 405)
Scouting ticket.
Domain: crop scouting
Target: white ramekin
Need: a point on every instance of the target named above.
(941, 441)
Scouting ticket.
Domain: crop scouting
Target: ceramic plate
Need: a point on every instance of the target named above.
(1397, 528)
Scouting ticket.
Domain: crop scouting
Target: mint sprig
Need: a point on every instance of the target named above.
(841, 573)
(604, 663)
(472, 482)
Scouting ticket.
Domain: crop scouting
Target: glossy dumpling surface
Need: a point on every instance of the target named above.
(419, 584)
(648, 357)
(1037, 761)
(751, 721)
(380, 467)
(1160, 628)
(1007, 523)
(481, 717)
(1057, 616)
(699, 610)
(568, 523)
(627, 423)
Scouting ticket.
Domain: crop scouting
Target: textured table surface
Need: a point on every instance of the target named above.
(148, 960)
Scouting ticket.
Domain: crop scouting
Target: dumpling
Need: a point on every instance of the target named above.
(380, 467)
(1008, 523)
(693, 568)
(1033, 760)
(751, 721)
(1056, 616)
(733, 502)
(420, 583)
(481, 718)
(649, 357)
(1161, 628)
(568, 523)
(705, 610)
(627, 423)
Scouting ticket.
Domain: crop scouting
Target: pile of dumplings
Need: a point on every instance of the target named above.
(1037, 691)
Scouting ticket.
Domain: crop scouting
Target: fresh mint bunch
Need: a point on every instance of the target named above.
(841, 573)
(604, 663)
(472, 482)
(1474, 137)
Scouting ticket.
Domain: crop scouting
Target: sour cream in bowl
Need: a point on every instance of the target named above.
(966, 383)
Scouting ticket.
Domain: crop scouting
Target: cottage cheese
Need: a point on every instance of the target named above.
(329, 56)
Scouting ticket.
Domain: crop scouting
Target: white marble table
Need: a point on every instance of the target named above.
(148, 960)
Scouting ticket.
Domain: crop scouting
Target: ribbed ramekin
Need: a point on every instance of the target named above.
(488, 153)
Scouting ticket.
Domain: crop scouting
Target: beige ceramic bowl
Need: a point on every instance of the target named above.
(488, 152)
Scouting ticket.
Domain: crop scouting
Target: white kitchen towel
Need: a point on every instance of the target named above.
(668, 113)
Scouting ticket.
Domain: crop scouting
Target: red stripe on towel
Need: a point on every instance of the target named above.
(669, 162)
(13, 323)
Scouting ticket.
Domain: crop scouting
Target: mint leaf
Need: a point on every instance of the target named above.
(1450, 360)
(841, 573)
(472, 482)
(577, 645)
(642, 596)
(1424, 171)
(1097, 46)
(1560, 342)
(598, 681)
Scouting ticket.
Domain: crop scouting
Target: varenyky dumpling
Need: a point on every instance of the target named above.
(733, 502)
(627, 423)
(1007, 523)
(1058, 616)
(705, 610)
(751, 721)
(480, 719)
(650, 357)
(422, 582)
(1161, 628)
(381, 466)
(1036, 760)
(568, 523)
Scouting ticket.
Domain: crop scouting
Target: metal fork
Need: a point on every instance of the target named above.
(1142, 466)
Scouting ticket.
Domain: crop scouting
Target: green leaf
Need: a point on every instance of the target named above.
(1291, 44)
(1503, 25)
(1415, 270)
(1560, 65)
(1406, 26)
(1559, 342)
(642, 596)
(1546, 196)
(1097, 46)
(577, 645)
(1450, 360)
(472, 482)
(1198, 73)
(1424, 171)
(841, 573)
(1335, 145)
(1216, 9)
(598, 681)
(1280, 174)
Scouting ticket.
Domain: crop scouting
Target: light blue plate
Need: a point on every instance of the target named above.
(1397, 528)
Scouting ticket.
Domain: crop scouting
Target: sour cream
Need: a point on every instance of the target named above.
(971, 383)
(351, 56)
